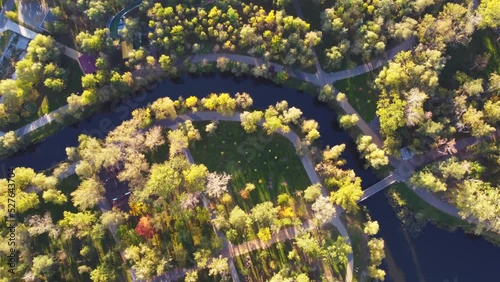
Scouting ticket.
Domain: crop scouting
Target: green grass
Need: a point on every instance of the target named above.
(301, 85)
(73, 84)
(160, 155)
(4, 39)
(251, 158)
(354, 223)
(361, 94)
(462, 58)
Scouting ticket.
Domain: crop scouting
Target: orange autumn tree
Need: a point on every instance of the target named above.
(144, 228)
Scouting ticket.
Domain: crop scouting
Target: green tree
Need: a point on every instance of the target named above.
(88, 194)
(250, 120)
(43, 266)
(312, 192)
(218, 266)
(347, 121)
(488, 10)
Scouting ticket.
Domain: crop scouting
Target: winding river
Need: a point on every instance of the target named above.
(435, 255)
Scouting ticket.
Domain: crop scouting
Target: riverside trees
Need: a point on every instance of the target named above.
(249, 28)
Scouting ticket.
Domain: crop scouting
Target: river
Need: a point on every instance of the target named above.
(435, 255)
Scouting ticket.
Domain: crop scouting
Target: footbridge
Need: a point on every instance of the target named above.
(379, 186)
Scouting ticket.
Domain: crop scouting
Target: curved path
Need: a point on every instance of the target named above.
(285, 234)
(230, 250)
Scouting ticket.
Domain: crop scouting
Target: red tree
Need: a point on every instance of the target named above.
(144, 228)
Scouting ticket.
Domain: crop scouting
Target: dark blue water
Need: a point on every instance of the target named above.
(436, 255)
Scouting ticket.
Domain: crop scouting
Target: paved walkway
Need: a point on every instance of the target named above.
(285, 234)
(370, 66)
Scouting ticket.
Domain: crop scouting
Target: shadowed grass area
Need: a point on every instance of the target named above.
(462, 58)
(361, 94)
(268, 161)
(73, 84)
(359, 240)
(421, 212)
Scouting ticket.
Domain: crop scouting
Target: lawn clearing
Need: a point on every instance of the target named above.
(361, 94)
(462, 58)
(268, 161)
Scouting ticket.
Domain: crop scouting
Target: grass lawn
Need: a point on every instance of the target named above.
(359, 241)
(74, 84)
(4, 39)
(423, 211)
(462, 58)
(361, 94)
(269, 162)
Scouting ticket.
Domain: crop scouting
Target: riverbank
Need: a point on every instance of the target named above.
(416, 213)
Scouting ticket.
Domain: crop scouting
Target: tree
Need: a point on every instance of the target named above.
(264, 234)
(88, 193)
(308, 244)
(474, 120)
(178, 141)
(250, 120)
(146, 261)
(163, 180)
(94, 43)
(42, 266)
(326, 93)
(38, 225)
(201, 257)
(312, 192)
(337, 253)
(26, 201)
(265, 213)
(217, 184)
(42, 49)
(54, 196)
(191, 276)
(323, 209)
(405, 28)
(479, 199)
(154, 138)
(211, 127)
(373, 155)
(113, 217)
(144, 228)
(164, 108)
(218, 266)
(310, 129)
(377, 254)
(102, 273)
(239, 219)
(371, 228)
(492, 111)
(427, 180)
(195, 177)
(347, 121)
(488, 10)
(292, 115)
(79, 224)
(243, 100)
(348, 195)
